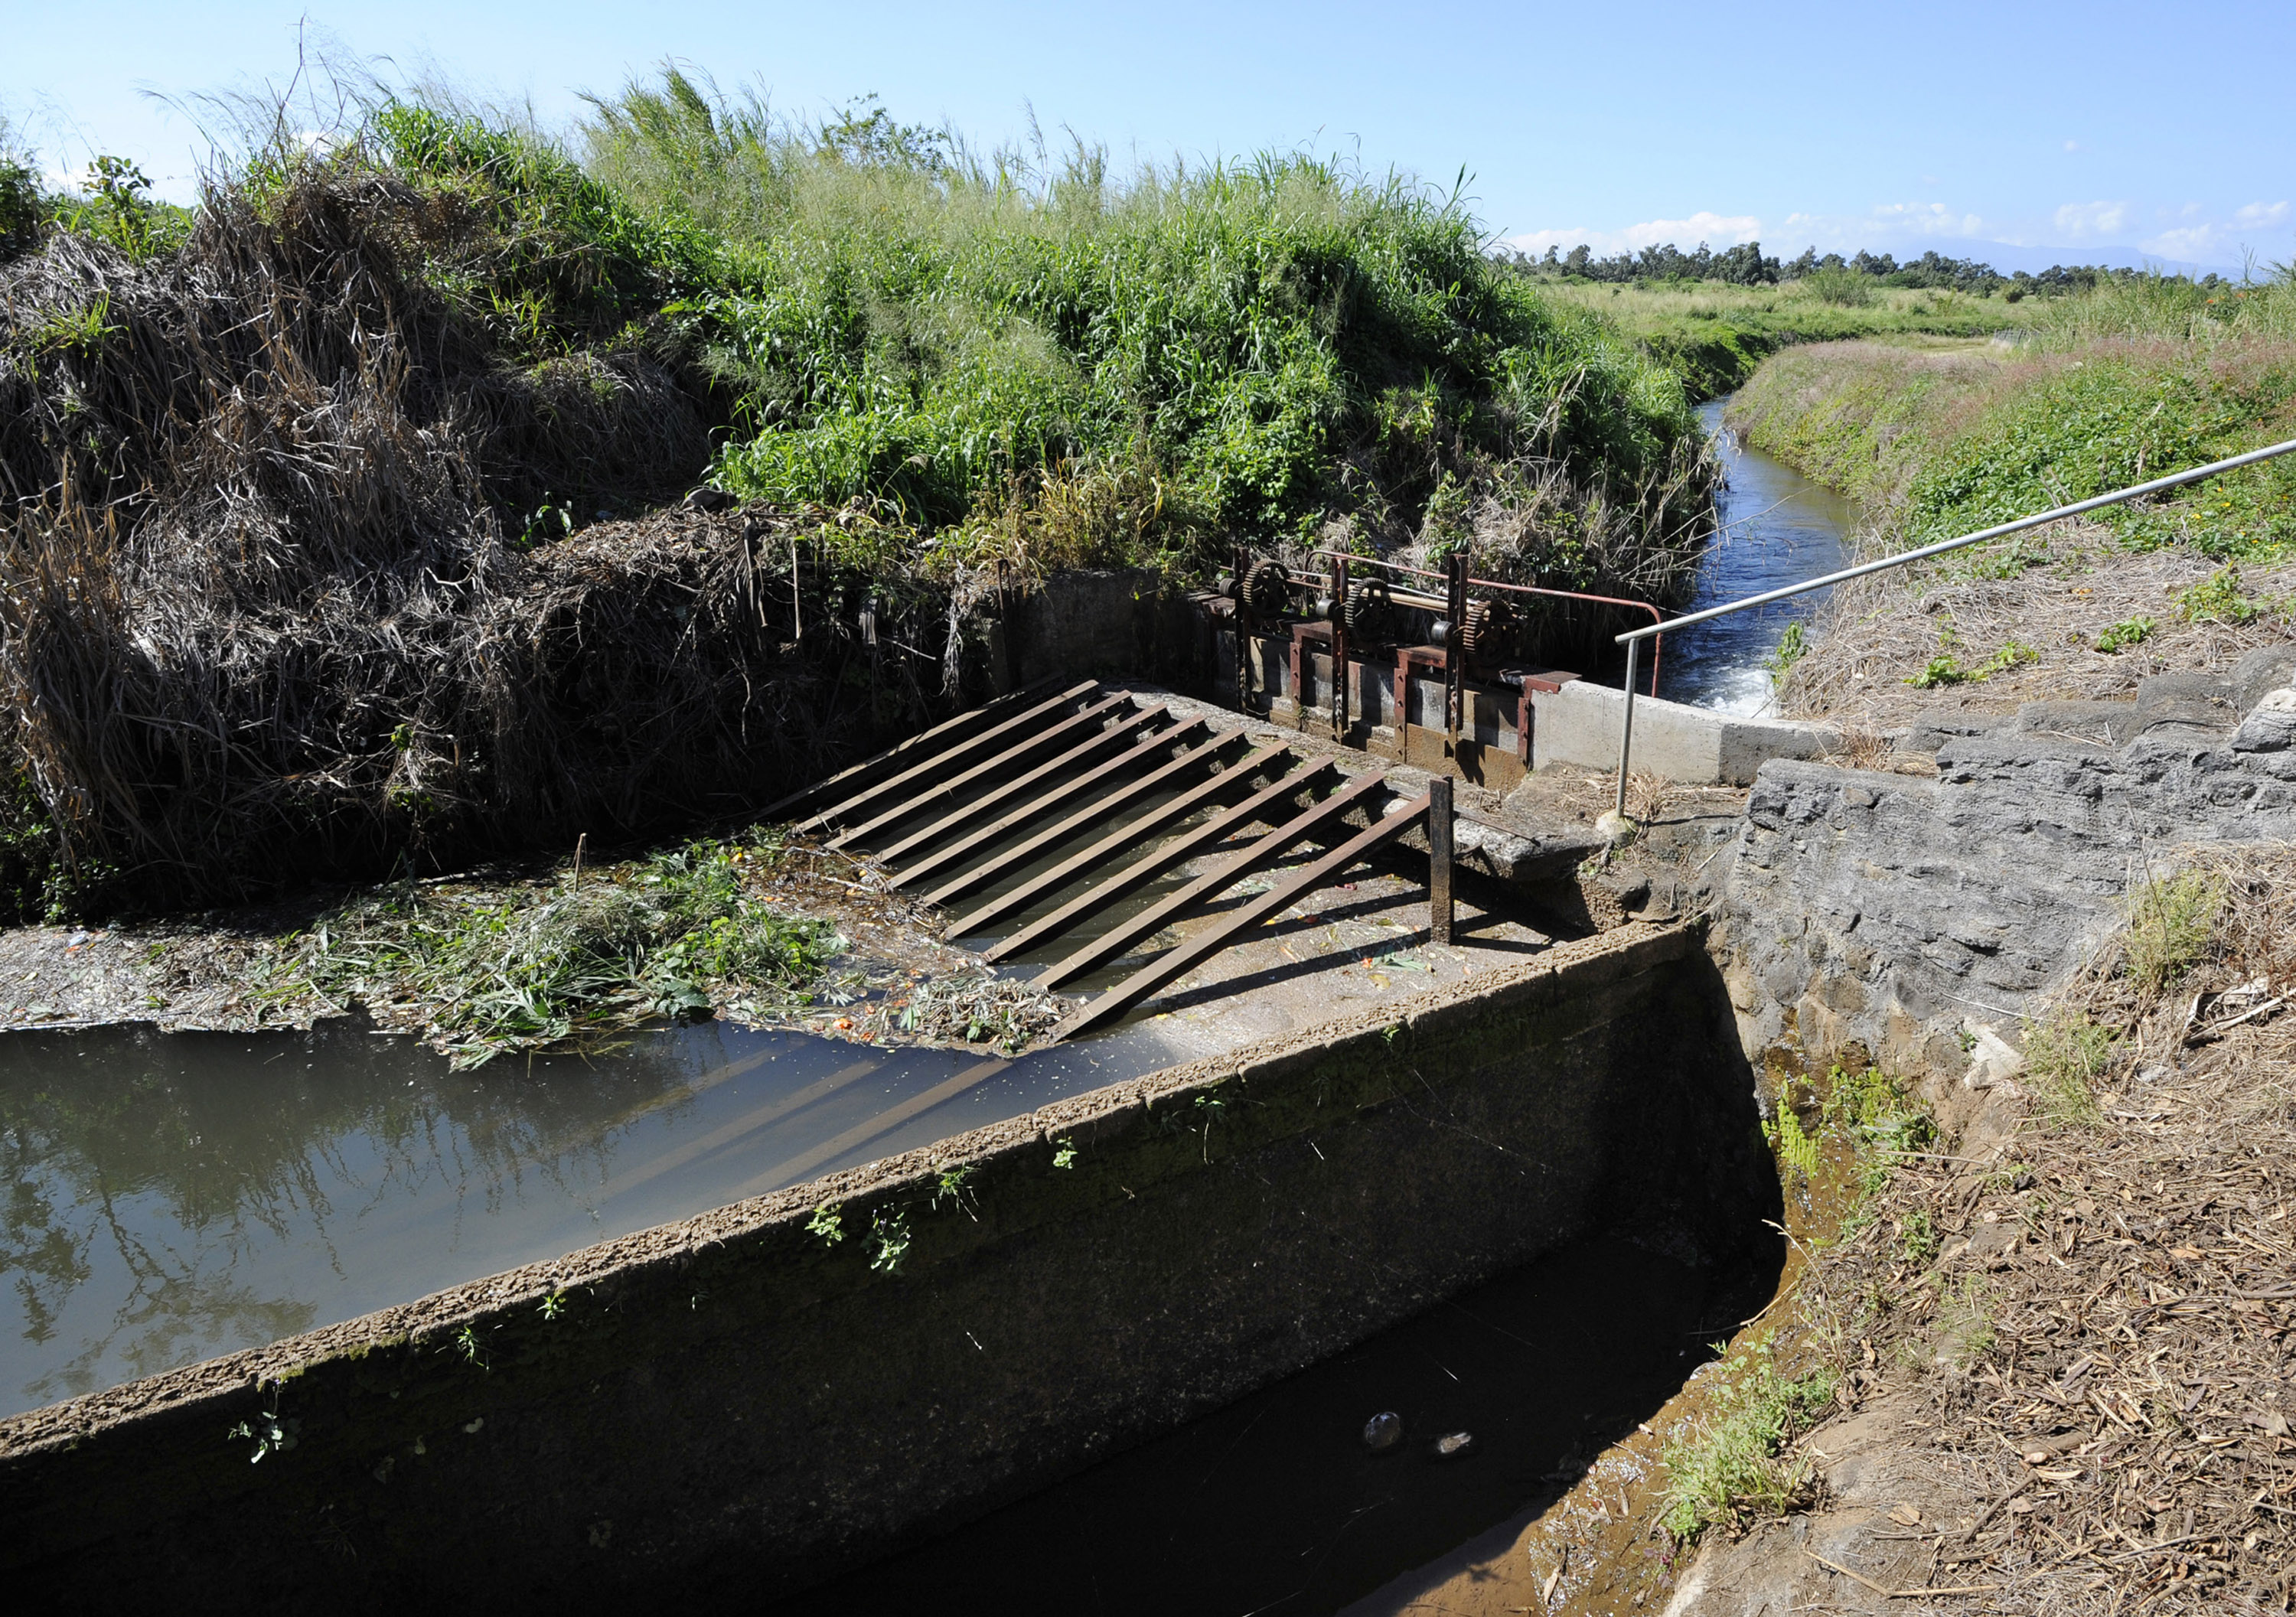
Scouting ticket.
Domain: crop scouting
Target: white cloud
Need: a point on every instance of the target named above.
(2082, 220)
(1714, 229)
(2219, 240)
(2072, 145)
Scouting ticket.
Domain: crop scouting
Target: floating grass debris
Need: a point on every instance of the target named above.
(535, 963)
(968, 1009)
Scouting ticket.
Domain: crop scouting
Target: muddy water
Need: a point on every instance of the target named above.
(170, 1197)
(1276, 1505)
(1777, 528)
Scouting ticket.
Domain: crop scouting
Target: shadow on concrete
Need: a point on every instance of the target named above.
(1274, 1504)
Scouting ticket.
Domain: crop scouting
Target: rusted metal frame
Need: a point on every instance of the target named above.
(1439, 858)
(1455, 660)
(1031, 745)
(1179, 961)
(1424, 572)
(1659, 641)
(1158, 860)
(1244, 634)
(971, 811)
(1190, 757)
(1127, 837)
(946, 756)
(1342, 685)
(1260, 852)
(1146, 744)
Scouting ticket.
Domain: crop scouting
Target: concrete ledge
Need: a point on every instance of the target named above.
(737, 1404)
(1699, 746)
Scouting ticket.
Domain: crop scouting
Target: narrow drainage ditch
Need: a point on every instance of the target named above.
(1278, 1504)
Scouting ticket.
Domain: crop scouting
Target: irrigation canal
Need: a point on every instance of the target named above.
(175, 1196)
(1777, 527)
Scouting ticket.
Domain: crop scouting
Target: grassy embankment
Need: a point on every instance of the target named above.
(2107, 387)
(1716, 334)
(341, 520)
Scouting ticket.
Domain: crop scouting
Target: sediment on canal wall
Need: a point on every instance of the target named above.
(741, 1402)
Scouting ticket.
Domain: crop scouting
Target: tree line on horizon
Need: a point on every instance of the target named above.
(1746, 264)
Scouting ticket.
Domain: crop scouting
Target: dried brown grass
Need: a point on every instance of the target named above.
(2126, 1425)
(1874, 634)
(260, 613)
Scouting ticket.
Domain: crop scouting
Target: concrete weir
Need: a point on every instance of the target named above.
(744, 1403)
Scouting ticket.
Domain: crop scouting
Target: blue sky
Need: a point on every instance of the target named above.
(2086, 131)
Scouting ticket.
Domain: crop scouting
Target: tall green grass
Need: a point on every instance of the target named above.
(1716, 334)
(903, 320)
(2135, 379)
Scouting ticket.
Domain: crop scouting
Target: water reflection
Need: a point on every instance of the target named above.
(173, 1196)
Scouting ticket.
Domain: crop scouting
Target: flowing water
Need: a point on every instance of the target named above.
(1777, 528)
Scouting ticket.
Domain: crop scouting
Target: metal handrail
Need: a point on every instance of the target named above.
(1633, 639)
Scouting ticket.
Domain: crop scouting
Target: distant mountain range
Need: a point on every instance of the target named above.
(2009, 259)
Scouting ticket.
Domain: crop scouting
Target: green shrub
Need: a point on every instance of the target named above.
(2064, 1056)
(2171, 921)
(1843, 287)
(1729, 1466)
(2127, 632)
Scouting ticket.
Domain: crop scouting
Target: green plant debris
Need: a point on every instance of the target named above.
(1065, 1155)
(827, 1223)
(969, 1008)
(538, 961)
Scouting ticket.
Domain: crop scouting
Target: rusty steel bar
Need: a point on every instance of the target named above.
(934, 742)
(860, 801)
(1455, 660)
(971, 811)
(1029, 746)
(1125, 836)
(1342, 677)
(1263, 850)
(1099, 811)
(1147, 745)
(1210, 941)
(1439, 858)
(1157, 860)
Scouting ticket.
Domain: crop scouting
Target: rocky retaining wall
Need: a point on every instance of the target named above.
(1876, 914)
(740, 1404)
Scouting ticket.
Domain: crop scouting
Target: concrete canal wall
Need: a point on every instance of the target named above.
(743, 1403)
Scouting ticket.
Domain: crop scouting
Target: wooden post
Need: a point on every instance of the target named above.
(1439, 856)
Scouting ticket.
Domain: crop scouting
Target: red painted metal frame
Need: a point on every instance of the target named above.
(1658, 643)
